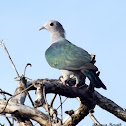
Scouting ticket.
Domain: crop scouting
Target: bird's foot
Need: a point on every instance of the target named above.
(63, 81)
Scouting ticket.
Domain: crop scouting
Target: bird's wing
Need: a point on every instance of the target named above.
(65, 55)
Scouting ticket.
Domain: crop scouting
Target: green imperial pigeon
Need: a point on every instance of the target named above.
(69, 58)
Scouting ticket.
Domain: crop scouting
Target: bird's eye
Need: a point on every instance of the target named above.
(51, 24)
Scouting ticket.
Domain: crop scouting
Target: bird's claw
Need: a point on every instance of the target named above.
(62, 80)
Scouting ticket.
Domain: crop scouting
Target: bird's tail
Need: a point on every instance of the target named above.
(93, 77)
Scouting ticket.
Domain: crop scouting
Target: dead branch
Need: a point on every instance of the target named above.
(55, 86)
(9, 121)
(26, 112)
(78, 115)
(19, 97)
(18, 76)
(4, 92)
(52, 101)
(14, 96)
(61, 103)
(2, 44)
(48, 109)
(41, 101)
(94, 119)
(9, 117)
(110, 106)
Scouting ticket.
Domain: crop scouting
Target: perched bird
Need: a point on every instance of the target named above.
(69, 58)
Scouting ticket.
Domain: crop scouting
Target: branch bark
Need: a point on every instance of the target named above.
(20, 99)
(88, 101)
(55, 86)
(26, 112)
(110, 106)
(78, 115)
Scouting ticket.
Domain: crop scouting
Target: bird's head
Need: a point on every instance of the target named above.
(53, 26)
(56, 29)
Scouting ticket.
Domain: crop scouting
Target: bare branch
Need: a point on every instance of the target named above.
(94, 119)
(110, 106)
(48, 109)
(30, 98)
(26, 112)
(41, 101)
(9, 121)
(4, 92)
(28, 64)
(61, 109)
(55, 86)
(14, 96)
(20, 99)
(8, 116)
(62, 103)
(51, 103)
(78, 115)
(88, 100)
(2, 44)
(18, 77)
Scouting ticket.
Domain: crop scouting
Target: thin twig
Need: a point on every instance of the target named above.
(94, 119)
(61, 109)
(9, 121)
(30, 98)
(4, 97)
(9, 117)
(62, 103)
(14, 96)
(46, 104)
(2, 44)
(4, 92)
(51, 103)
(28, 64)
(24, 82)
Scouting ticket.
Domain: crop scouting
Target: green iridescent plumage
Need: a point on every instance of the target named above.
(67, 56)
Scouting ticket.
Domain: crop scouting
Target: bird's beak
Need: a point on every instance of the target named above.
(42, 28)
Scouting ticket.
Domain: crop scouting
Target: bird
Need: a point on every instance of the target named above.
(69, 58)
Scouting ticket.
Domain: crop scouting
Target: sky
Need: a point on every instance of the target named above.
(98, 26)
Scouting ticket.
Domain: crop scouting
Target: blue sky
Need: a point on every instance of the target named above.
(98, 26)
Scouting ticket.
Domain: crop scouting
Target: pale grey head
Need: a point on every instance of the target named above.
(56, 30)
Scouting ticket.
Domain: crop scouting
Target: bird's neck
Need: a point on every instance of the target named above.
(57, 36)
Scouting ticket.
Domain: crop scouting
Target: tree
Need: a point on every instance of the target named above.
(23, 114)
